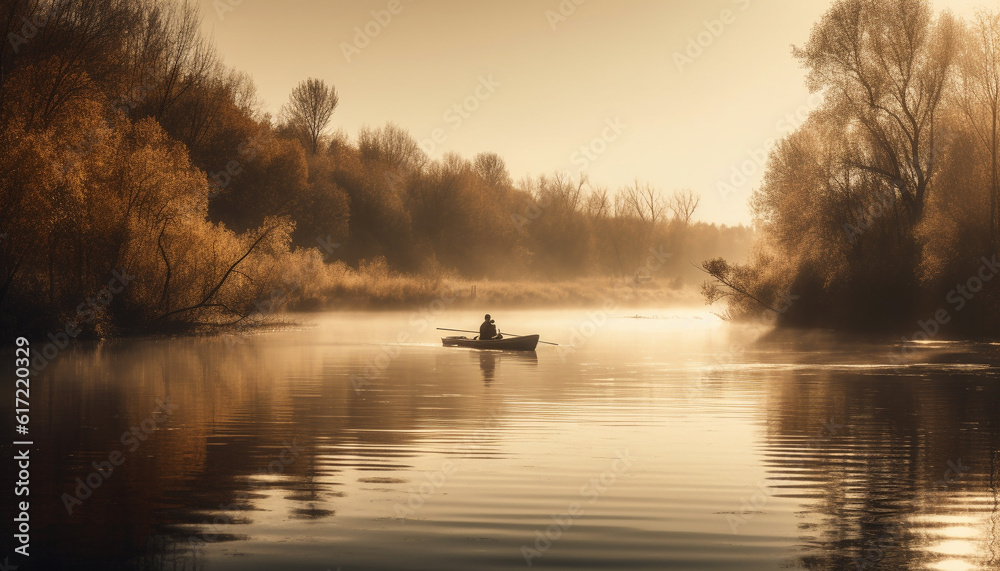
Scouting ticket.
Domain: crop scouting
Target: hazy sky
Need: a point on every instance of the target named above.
(538, 81)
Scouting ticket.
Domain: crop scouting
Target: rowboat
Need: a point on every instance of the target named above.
(523, 343)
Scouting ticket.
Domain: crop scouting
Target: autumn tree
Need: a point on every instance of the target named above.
(843, 204)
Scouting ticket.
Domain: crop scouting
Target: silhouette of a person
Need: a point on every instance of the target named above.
(488, 330)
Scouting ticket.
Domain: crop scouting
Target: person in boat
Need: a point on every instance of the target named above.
(488, 330)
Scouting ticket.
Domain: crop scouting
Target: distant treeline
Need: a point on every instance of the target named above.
(142, 188)
(883, 209)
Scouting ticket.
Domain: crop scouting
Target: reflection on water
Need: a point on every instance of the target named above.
(775, 454)
(906, 477)
(488, 365)
(488, 360)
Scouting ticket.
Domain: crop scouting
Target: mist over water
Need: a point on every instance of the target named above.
(662, 439)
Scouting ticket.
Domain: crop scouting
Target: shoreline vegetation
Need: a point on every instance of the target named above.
(410, 293)
(144, 190)
(882, 211)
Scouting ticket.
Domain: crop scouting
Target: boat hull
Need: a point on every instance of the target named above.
(526, 343)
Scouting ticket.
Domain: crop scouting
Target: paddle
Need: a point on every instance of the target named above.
(513, 334)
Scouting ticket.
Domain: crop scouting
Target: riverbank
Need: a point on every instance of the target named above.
(376, 290)
(402, 292)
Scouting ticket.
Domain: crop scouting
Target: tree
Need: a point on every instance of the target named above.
(391, 147)
(492, 169)
(885, 64)
(309, 109)
(274, 183)
(682, 204)
(643, 202)
(843, 208)
(979, 98)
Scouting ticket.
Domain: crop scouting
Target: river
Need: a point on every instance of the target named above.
(661, 439)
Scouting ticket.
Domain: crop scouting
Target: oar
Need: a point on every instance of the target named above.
(514, 334)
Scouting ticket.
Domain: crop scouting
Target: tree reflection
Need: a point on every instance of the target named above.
(910, 465)
(253, 423)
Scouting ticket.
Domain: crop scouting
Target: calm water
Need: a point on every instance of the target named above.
(669, 442)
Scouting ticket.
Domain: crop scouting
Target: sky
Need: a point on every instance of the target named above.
(678, 94)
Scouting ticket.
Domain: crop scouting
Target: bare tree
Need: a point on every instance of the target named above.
(598, 204)
(187, 58)
(310, 108)
(559, 190)
(644, 202)
(682, 204)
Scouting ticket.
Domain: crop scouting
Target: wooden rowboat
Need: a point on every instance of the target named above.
(524, 343)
